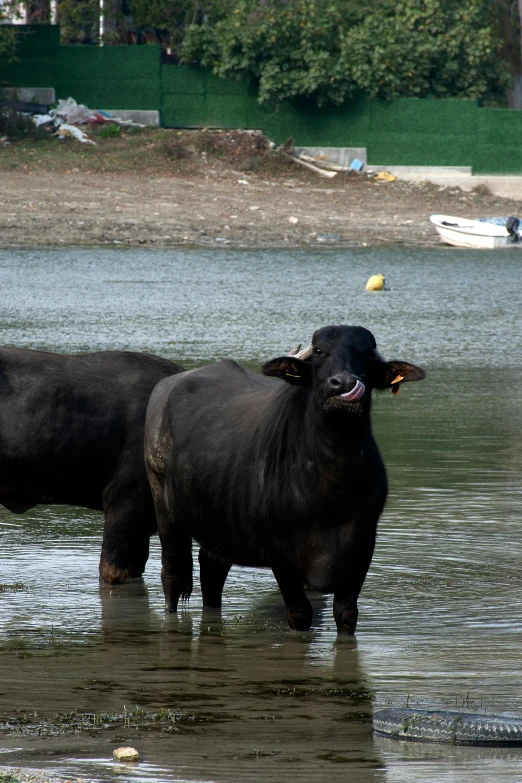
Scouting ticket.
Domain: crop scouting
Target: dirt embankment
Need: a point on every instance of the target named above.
(167, 188)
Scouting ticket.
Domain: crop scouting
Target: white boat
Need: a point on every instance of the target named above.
(483, 233)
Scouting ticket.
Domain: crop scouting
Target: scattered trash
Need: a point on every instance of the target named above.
(356, 165)
(43, 119)
(65, 130)
(311, 166)
(254, 208)
(293, 220)
(385, 176)
(243, 182)
(375, 283)
(69, 114)
(125, 754)
(322, 163)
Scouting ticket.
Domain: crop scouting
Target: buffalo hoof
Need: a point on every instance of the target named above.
(113, 575)
(299, 620)
(346, 621)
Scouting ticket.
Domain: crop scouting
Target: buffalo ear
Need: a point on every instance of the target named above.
(392, 374)
(289, 369)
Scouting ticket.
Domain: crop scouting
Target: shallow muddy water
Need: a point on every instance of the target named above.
(85, 668)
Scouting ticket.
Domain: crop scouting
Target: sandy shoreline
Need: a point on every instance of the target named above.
(226, 208)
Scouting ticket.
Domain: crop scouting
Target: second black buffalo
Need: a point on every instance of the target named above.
(262, 473)
(71, 432)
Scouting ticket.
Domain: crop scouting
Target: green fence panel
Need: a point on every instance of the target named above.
(106, 94)
(503, 159)
(499, 127)
(422, 132)
(216, 86)
(30, 72)
(183, 79)
(225, 111)
(409, 149)
(187, 112)
(499, 142)
(447, 117)
(110, 62)
(37, 40)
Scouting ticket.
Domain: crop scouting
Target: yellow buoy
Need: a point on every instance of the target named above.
(375, 283)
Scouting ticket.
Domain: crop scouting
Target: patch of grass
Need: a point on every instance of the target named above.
(165, 720)
(17, 587)
(110, 132)
(160, 152)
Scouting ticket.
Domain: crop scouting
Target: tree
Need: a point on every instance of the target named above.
(79, 21)
(8, 35)
(508, 16)
(427, 48)
(289, 47)
(327, 50)
(38, 12)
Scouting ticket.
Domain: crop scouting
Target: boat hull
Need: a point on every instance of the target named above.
(460, 232)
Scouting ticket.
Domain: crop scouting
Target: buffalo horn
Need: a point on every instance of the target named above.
(298, 354)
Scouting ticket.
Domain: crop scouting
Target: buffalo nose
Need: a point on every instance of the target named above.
(342, 382)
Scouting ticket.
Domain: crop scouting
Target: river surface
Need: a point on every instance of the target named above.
(85, 668)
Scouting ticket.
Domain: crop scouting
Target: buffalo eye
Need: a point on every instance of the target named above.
(318, 352)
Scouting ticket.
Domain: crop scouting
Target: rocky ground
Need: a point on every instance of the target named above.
(215, 189)
(28, 775)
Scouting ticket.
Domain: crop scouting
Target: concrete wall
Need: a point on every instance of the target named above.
(404, 131)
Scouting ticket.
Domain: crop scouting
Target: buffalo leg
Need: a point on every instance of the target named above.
(213, 573)
(345, 597)
(129, 521)
(176, 570)
(297, 605)
(176, 546)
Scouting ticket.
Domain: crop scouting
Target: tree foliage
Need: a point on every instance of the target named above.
(8, 36)
(79, 21)
(434, 47)
(388, 48)
(320, 49)
(290, 47)
(7, 43)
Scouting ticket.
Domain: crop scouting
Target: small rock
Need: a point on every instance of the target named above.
(254, 207)
(328, 238)
(125, 754)
(293, 220)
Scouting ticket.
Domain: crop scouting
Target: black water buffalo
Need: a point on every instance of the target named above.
(71, 431)
(284, 475)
